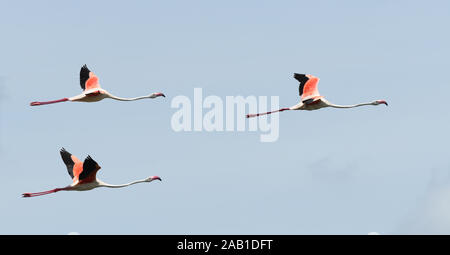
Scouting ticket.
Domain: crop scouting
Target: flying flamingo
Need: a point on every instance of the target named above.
(311, 99)
(92, 91)
(84, 176)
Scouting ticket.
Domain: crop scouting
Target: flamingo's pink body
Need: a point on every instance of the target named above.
(311, 99)
(83, 176)
(92, 92)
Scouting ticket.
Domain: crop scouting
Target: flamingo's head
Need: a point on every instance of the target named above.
(155, 95)
(152, 178)
(380, 102)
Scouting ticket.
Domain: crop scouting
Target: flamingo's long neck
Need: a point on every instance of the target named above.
(265, 113)
(102, 184)
(44, 192)
(49, 102)
(348, 106)
(127, 99)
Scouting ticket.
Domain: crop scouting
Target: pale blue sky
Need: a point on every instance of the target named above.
(332, 171)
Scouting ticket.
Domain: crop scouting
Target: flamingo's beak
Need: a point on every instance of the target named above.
(156, 178)
(161, 94)
(383, 102)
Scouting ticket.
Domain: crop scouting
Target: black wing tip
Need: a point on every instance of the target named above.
(85, 71)
(299, 75)
(84, 75)
(65, 155)
(90, 159)
(68, 161)
(89, 166)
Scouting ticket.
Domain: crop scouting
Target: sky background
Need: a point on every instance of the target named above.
(332, 171)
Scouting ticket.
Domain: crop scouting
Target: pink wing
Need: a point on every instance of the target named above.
(88, 80)
(308, 86)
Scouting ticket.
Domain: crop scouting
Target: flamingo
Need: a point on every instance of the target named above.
(311, 99)
(83, 175)
(92, 92)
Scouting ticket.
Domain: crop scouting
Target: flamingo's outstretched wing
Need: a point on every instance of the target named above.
(88, 80)
(73, 164)
(90, 168)
(308, 86)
